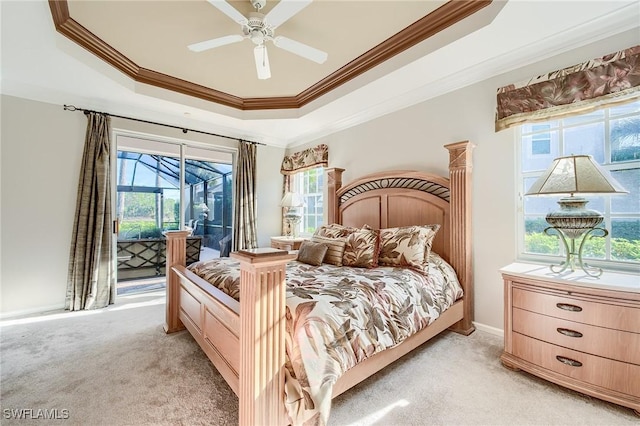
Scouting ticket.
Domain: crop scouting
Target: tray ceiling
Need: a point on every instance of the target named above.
(148, 40)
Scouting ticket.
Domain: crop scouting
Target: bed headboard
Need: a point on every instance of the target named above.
(399, 198)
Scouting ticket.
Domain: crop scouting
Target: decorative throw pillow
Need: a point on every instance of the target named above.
(429, 243)
(335, 249)
(334, 230)
(312, 253)
(405, 246)
(361, 249)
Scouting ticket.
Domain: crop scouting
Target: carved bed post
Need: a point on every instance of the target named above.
(334, 183)
(262, 335)
(176, 256)
(461, 256)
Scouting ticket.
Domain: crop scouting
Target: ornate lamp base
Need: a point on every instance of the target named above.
(573, 256)
(293, 221)
(571, 222)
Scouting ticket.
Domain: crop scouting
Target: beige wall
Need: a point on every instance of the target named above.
(42, 147)
(41, 153)
(414, 137)
(42, 150)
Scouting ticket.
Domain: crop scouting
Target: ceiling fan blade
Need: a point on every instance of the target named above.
(300, 49)
(284, 10)
(229, 10)
(262, 62)
(216, 42)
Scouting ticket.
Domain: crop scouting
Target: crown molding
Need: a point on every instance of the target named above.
(431, 24)
(622, 20)
(445, 16)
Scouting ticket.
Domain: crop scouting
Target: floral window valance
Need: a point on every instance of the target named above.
(305, 160)
(599, 83)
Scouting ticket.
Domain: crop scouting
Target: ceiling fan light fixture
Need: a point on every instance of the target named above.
(257, 37)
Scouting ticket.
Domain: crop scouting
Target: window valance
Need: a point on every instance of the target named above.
(598, 83)
(305, 160)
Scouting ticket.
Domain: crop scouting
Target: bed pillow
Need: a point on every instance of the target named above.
(335, 249)
(427, 251)
(361, 249)
(334, 230)
(312, 253)
(406, 246)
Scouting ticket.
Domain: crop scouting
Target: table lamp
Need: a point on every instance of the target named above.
(575, 174)
(292, 201)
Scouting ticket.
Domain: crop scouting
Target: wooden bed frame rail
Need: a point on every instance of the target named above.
(246, 340)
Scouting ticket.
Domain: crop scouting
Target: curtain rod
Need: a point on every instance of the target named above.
(184, 129)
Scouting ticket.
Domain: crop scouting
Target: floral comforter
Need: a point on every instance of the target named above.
(339, 316)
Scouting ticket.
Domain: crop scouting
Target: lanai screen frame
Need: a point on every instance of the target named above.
(169, 169)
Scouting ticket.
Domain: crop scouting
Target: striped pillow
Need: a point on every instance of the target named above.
(335, 249)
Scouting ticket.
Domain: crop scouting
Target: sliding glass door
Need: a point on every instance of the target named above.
(165, 186)
(208, 203)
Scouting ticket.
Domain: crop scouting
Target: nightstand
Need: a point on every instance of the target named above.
(574, 330)
(287, 243)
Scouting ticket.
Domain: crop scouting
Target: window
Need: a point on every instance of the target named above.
(310, 185)
(540, 141)
(612, 137)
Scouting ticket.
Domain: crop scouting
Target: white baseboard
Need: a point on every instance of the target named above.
(31, 311)
(487, 328)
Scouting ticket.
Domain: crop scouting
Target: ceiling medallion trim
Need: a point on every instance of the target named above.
(438, 20)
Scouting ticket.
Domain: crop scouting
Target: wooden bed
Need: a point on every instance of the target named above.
(245, 340)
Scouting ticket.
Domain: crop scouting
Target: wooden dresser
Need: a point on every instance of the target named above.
(577, 331)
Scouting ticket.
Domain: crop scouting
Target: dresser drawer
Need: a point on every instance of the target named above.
(617, 345)
(282, 245)
(286, 243)
(574, 309)
(607, 373)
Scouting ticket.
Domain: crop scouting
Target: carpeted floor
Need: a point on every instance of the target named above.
(117, 367)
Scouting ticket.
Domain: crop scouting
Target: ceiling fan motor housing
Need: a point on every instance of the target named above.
(256, 29)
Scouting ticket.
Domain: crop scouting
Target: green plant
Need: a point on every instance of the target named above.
(176, 211)
(626, 229)
(595, 247)
(136, 229)
(170, 210)
(541, 243)
(625, 139)
(622, 249)
(536, 225)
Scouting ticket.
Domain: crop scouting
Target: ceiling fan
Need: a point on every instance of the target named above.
(260, 28)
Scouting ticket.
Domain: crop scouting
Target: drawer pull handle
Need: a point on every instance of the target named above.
(568, 332)
(569, 307)
(569, 361)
